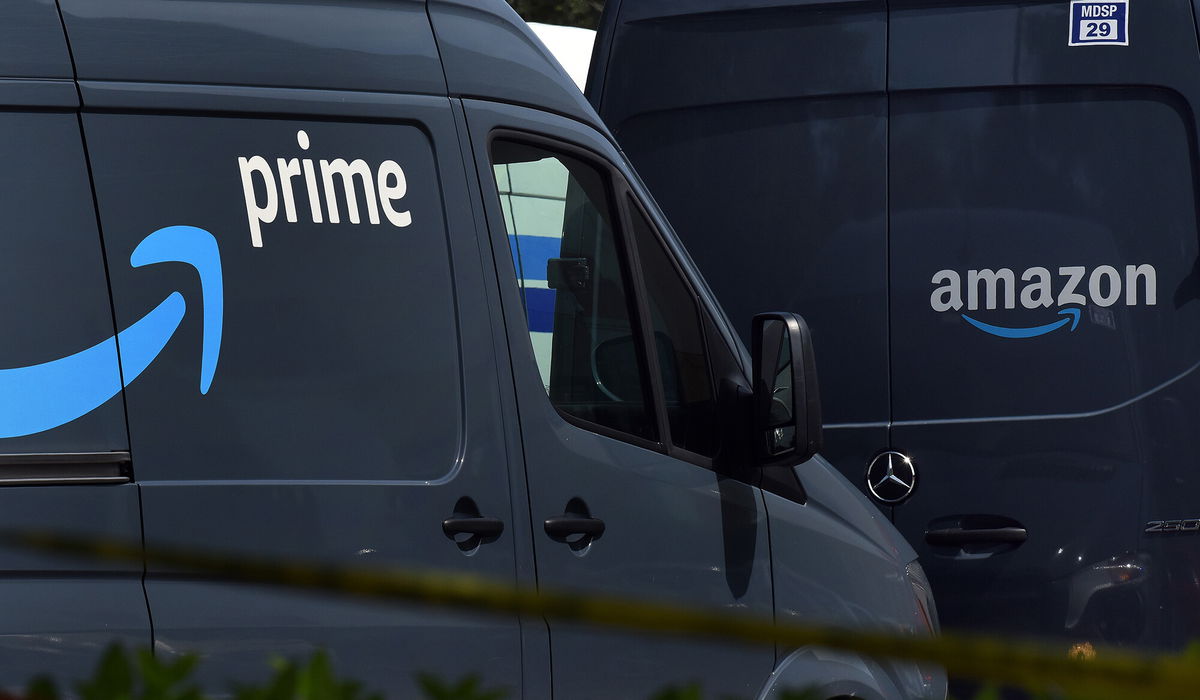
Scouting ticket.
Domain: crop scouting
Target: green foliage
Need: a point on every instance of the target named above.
(469, 688)
(314, 680)
(142, 676)
(687, 692)
(41, 688)
(121, 675)
(163, 680)
(573, 13)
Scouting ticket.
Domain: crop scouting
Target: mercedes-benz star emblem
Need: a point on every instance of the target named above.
(891, 477)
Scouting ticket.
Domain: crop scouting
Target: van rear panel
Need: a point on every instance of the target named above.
(1016, 153)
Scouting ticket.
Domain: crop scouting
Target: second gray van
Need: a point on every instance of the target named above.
(987, 211)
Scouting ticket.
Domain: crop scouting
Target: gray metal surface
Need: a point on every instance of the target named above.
(835, 563)
(336, 426)
(32, 44)
(355, 45)
(57, 611)
(488, 51)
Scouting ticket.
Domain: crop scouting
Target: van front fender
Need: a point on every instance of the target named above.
(835, 674)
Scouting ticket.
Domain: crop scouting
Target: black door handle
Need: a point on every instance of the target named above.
(991, 535)
(478, 526)
(560, 527)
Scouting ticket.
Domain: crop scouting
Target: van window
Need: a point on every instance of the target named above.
(679, 343)
(559, 217)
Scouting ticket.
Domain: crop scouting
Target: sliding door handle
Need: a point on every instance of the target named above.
(955, 536)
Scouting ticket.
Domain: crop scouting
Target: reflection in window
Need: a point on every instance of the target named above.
(559, 219)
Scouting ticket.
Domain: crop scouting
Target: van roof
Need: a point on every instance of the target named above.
(655, 55)
(641, 10)
(490, 52)
(468, 48)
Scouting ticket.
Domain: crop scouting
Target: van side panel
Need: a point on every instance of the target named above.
(60, 393)
(32, 44)
(760, 127)
(353, 45)
(336, 426)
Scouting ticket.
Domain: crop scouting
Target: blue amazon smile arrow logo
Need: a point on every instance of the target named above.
(1033, 332)
(44, 396)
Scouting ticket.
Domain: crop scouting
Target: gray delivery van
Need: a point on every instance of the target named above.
(987, 211)
(368, 284)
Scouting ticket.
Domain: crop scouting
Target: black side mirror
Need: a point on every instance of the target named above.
(787, 405)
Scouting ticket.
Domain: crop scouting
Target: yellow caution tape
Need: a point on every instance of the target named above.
(1102, 674)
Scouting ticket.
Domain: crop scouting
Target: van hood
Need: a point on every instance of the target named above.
(831, 492)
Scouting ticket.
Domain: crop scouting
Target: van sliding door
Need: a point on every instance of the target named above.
(328, 421)
(325, 390)
(1046, 312)
(64, 450)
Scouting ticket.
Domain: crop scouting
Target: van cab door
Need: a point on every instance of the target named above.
(619, 441)
(64, 449)
(1046, 312)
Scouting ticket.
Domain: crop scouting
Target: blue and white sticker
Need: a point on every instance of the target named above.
(1099, 23)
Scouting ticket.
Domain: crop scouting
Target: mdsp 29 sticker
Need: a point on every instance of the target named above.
(1099, 23)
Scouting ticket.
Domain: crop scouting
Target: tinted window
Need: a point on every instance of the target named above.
(559, 218)
(679, 343)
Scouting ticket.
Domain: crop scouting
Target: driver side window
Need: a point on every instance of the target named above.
(560, 217)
